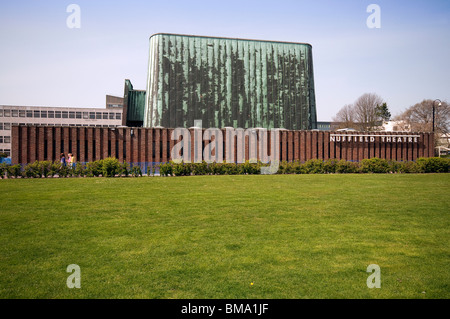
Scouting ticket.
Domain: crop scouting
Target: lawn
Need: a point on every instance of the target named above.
(280, 236)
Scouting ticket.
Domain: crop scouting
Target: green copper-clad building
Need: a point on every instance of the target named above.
(229, 82)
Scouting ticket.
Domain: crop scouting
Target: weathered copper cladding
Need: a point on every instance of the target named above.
(154, 145)
(228, 83)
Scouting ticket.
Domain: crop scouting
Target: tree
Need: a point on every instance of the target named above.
(365, 114)
(382, 112)
(420, 117)
(345, 117)
(366, 111)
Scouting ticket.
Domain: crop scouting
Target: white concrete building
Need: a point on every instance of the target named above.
(111, 116)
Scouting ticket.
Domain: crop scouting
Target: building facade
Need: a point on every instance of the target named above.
(56, 116)
(229, 83)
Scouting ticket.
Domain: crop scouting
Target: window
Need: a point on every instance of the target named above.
(71, 115)
(7, 152)
(65, 114)
(111, 116)
(44, 114)
(1, 139)
(98, 115)
(118, 116)
(7, 113)
(57, 114)
(29, 113)
(105, 116)
(7, 139)
(37, 114)
(1, 113)
(1, 126)
(51, 114)
(78, 115)
(92, 115)
(22, 113)
(15, 113)
(85, 115)
(7, 126)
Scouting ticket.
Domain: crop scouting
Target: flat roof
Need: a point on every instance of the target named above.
(225, 38)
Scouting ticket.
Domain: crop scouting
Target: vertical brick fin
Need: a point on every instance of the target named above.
(314, 144)
(302, 146)
(51, 156)
(90, 144)
(156, 139)
(164, 145)
(308, 145)
(332, 146)
(290, 142)
(15, 145)
(105, 143)
(41, 145)
(82, 136)
(326, 145)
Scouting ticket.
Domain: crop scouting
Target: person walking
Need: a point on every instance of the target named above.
(71, 160)
(62, 159)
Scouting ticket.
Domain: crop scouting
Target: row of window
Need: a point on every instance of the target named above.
(7, 151)
(61, 114)
(7, 126)
(5, 139)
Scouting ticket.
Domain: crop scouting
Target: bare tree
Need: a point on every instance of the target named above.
(365, 114)
(345, 117)
(366, 111)
(420, 117)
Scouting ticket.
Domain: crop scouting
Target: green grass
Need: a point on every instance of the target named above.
(292, 236)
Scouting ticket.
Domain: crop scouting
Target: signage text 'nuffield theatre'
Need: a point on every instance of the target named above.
(366, 138)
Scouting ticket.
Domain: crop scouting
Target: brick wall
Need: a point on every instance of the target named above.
(139, 145)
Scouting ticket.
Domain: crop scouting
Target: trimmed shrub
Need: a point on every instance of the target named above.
(166, 169)
(217, 168)
(44, 168)
(394, 166)
(250, 168)
(433, 165)
(124, 169)
(285, 167)
(14, 170)
(313, 166)
(54, 169)
(201, 169)
(110, 167)
(64, 171)
(374, 165)
(31, 170)
(94, 168)
(330, 166)
(136, 171)
(79, 170)
(3, 169)
(181, 169)
(408, 167)
(346, 167)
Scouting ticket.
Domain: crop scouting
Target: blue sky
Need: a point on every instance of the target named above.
(45, 63)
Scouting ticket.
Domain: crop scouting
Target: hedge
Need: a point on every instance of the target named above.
(111, 167)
